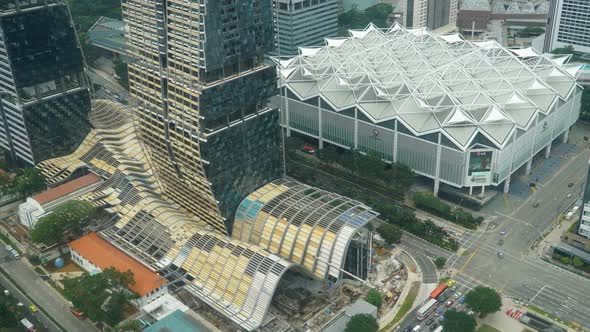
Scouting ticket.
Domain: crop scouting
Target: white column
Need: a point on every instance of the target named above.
(286, 110)
(548, 151)
(395, 141)
(483, 190)
(507, 184)
(566, 135)
(470, 191)
(356, 130)
(320, 131)
(529, 166)
(437, 170)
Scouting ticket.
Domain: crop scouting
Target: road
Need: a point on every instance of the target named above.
(521, 273)
(45, 296)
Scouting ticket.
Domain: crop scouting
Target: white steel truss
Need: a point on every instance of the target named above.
(432, 83)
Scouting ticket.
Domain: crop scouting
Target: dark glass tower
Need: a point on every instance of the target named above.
(198, 75)
(44, 92)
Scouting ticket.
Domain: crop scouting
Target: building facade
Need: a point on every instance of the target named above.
(42, 81)
(584, 222)
(568, 23)
(431, 14)
(464, 114)
(202, 87)
(304, 23)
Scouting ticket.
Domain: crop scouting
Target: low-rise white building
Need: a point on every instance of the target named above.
(94, 254)
(43, 203)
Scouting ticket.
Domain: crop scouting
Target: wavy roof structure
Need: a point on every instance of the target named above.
(431, 83)
(237, 278)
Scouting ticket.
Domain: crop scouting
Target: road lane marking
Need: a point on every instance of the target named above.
(507, 201)
(469, 260)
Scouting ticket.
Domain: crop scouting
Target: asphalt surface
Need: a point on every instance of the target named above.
(45, 296)
(520, 273)
(424, 254)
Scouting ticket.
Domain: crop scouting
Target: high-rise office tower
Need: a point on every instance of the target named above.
(431, 14)
(568, 23)
(198, 75)
(304, 23)
(44, 92)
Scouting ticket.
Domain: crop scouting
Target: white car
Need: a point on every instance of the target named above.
(457, 295)
(6, 292)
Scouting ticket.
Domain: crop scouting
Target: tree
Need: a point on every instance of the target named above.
(29, 181)
(71, 216)
(7, 317)
(440, 262)
(390, 233)
(565, 259)
(89, 294)
(456, 321)
(379, 14)
(569, 49)
(362, 323)
(374, 297)
(577, 262)
(483, 300)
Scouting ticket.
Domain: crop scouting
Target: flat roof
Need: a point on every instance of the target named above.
(104, 255)
(66, 188)
(177, 321)
(568, 248)
(109, 33)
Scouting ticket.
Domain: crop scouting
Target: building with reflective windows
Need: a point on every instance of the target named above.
(44, 91)
(283, 225)
(467, 114)
(196, 70)
(568, 23)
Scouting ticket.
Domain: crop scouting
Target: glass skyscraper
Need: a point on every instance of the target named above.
(42, 81)
(197, 72)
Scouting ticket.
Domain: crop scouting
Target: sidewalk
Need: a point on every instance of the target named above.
(412, 277)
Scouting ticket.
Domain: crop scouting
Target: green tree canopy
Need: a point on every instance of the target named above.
(28, 181)
(362, 323)
(71, 216)
(577, 262)
(456, 321)
(89, 294)
(390, 232)
(483, 300)
(569, 49)
(374, 297)
(359, 19)
(440, 262)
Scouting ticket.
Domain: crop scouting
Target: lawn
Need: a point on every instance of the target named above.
(487, 328)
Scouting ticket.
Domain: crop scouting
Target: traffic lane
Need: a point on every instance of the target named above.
(48, 325)
(420, 245)
(45, 296)
(535, 273)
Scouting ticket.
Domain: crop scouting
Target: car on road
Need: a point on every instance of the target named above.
(454, 288)
(449, 303)
(536, 204)
(430, 321)
(501, 242)
(462, 299)
(438, 312)
(471, 313)
(6, 292)
(433, 326)
(503, 231)
(33, 308)
(408, 329)
(457, 295)
(77, 313)
(441, 319)
(500, 254)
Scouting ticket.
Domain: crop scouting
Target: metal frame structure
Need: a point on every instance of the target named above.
(235, 276)
(388, 91)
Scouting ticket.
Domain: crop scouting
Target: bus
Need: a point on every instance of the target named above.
(439, 329)
(30, 327)
(439, 290)
(426, 309)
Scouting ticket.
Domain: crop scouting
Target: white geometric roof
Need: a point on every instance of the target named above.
(431, 83)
